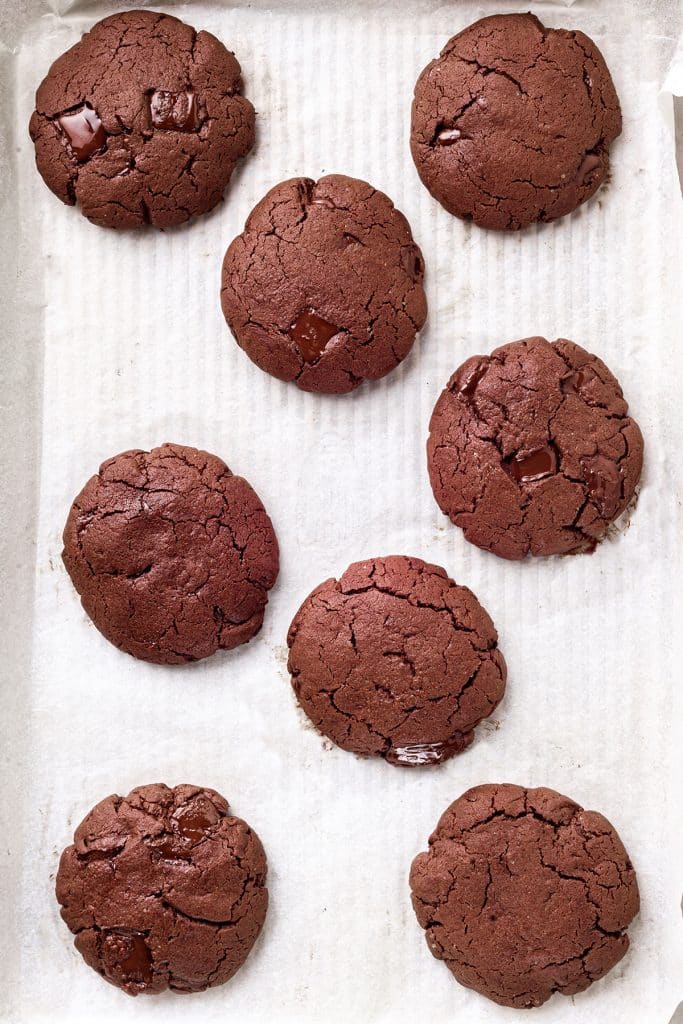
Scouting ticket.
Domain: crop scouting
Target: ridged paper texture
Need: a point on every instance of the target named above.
(132, 351)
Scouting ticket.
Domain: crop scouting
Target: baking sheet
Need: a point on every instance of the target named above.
(114, 341)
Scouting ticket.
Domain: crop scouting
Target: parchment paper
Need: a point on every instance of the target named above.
(114, 341)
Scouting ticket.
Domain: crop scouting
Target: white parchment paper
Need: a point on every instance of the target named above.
(117, 340)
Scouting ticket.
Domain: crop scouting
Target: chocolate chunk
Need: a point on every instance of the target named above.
(577, 380)
(604, 481)
(194, 821)
(173, 111)
(534, 104)
(417, 754)
(166, 912)
(534, 466)
(523, 893)
(468, 376)
(396, 660)
(84, 132)
(125, 954)
(310, 333)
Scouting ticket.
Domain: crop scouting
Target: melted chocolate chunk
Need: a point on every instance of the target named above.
(472, 372)
(536, 465)
(84, 132)
(603, 480)
(170, 848)
(194, 820)
(310, 333)
(173, 111)
(418, 754)
(126, 952)
(575, 381)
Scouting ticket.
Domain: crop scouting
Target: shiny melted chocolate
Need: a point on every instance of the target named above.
(173, 111)
(310, 333)
(126, 950)
(84, 132)
(534, 466)
(603, 480)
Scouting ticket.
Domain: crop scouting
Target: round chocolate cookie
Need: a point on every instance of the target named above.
(324, 285)
(531, 450)
(172, 555)
(163, 889)
(141, 122)
(395, 659)
(512, 123)
(523, 893)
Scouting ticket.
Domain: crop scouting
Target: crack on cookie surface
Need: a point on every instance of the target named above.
(523, 107)
(171, 553)
(523, 894)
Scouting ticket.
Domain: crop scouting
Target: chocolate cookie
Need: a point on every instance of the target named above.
(141, 122)
(512, 123)
(395, 659)
(531, 450)
(164, 889)
(172, 555)
(324, 285)
(523, 893)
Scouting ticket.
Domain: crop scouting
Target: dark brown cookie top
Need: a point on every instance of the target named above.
(163, 889)
(523, 893)
(512, 123)
(172, 554)
(531, 450)
(324, 285)
(395, 659)
(141, 122)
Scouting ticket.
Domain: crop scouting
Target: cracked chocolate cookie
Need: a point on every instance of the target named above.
(141, 122)
(523, 894)
(324, 285)
(396, 660)
(172, 555)
(531, 450)
(512, 123)
(163, 889)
